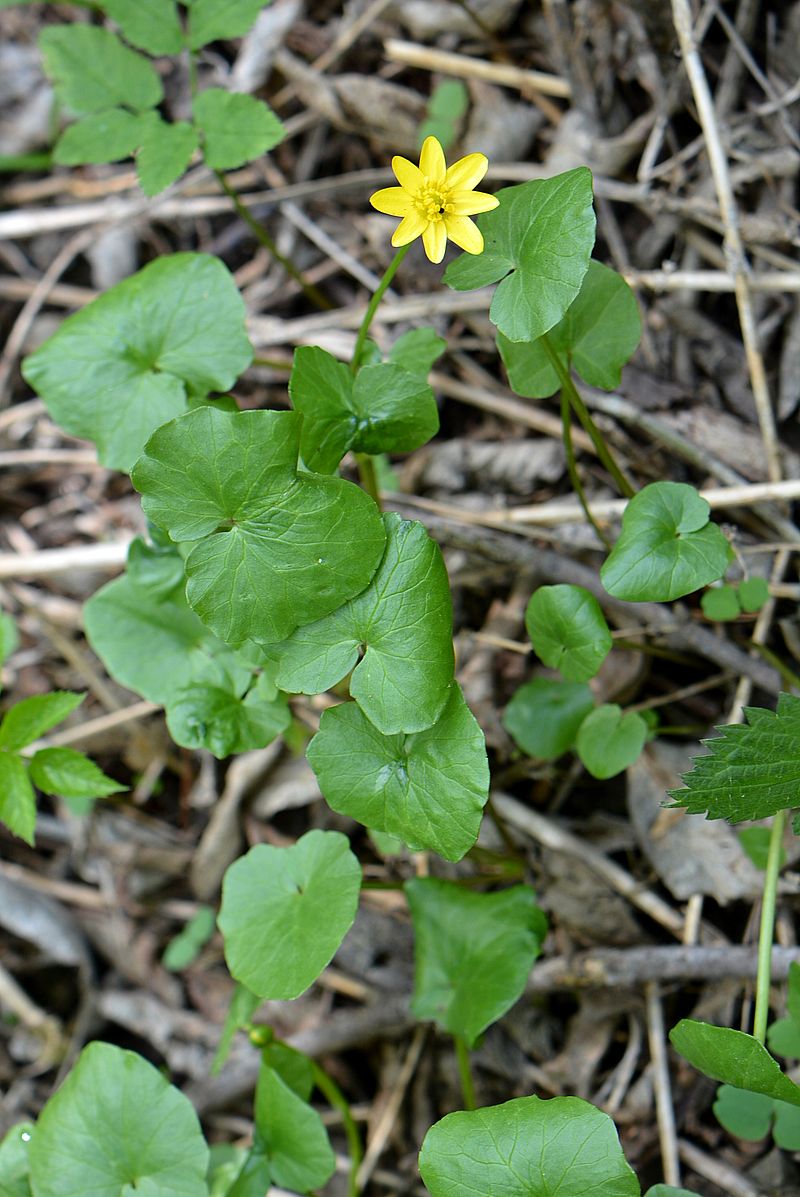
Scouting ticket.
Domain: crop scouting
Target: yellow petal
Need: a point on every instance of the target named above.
(394, 201)
(467, 203)
(413, 225)
(465, 234)
(431, 161)
(435, 239)
(408, 175)
(467, 172)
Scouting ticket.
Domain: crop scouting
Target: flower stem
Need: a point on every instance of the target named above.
(767, 927)
(624, 485)
(572, 468)
(372, 306)
(368, 476)
(337, 1099)
(465, 1072)
(264, 238)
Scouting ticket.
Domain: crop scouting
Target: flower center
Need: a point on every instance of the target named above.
(431, 202)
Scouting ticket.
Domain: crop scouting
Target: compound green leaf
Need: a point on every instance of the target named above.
(608, 741)
(14, 1161)
(568, 630)
(404, 622)
(151, 25)
(135, 357)
(667, 548)
(429, 788)
(17, 799)
(746, 1115)
(32, 717)
(472, 952)
(236, 128)
(537, 246)
(166, 151)
(528, 1147)
(734, 1058)
(217, 718)
(213, 20)
(543, 717)
(417, 350)
(290, 1135)
(285, 912)
(275, 547)
(70, 774)
(92, 70)
(596, 336)
(100, 137)
(752, 770)
(753, 593)
(721, 603)
(133, 1129)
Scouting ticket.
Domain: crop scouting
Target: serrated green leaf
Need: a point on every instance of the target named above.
(218, 719)
(32, 717)
(92, 70)
(403, 621)
(265, 532)
(746, 1115)
(753, 593)
(596, 336)
(151, 25)
(429, 788)
(528, 1147)
(236, 128)
(133, 1127)
(285, 912)
(291, 1135)
(417, 350)
(608, 741)
(70, 774)
(213, 20)
(100, 137)
(537, 247)
(165, 152)
(568, 630)
(734, 1058)
(720, 603)
(752, 770)
(667, 548)
(472, 952)
(134, 357)
(14, 1161)
(543, 717)
(17, 799)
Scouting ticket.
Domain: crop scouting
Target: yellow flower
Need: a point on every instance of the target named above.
(435, 202)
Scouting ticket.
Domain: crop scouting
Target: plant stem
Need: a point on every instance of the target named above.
(264, 238)
(572, 468)
(368, 476)
(465, 1072)
(624, 485)
(272, 363)
(337, 1099)
(767, 927)
(372, 306)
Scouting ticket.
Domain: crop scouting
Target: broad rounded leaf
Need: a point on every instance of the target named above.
(166, 151)
(417, 350)
(473, 952)
(753, 593)
(721, 603)
(14, 1161)
(101, 137)
(404, 622)
(608, 741)
(286, 910)
(17, 799)
(217, 718)
(667, 548)
(92, 70)
(733, 1057)
(236, 128)
(210, 20)
(133, 358)
(568, 630)
(291, 1136)
(537, 246)
(528, 1147)
(543, 717)
(276, 548)
(746, 1115)
(596, 336)
(429, 789)
(114, 1123)
(151, 25)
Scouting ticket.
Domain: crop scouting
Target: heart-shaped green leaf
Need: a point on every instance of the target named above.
(543, 717)
(473, 952)
(136, 356)
(596, 336)
(92, 70)
(733, 1057)
(290, 1135)
(528, 1147)
(135, 1130)
(286, 910)
(275, 547)
(219, 719)
(568, 630)
(667, 548)
(429, 789)
(609, 741)
(417, 350)
(14, 1161)
(721, 603)
(235, 128)
(403, 620)
(537, 246)
(746, 1115)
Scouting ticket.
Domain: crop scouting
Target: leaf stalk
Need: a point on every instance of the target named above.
(767, 926)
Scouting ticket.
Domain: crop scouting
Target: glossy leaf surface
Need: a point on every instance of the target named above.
(734, 1058)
